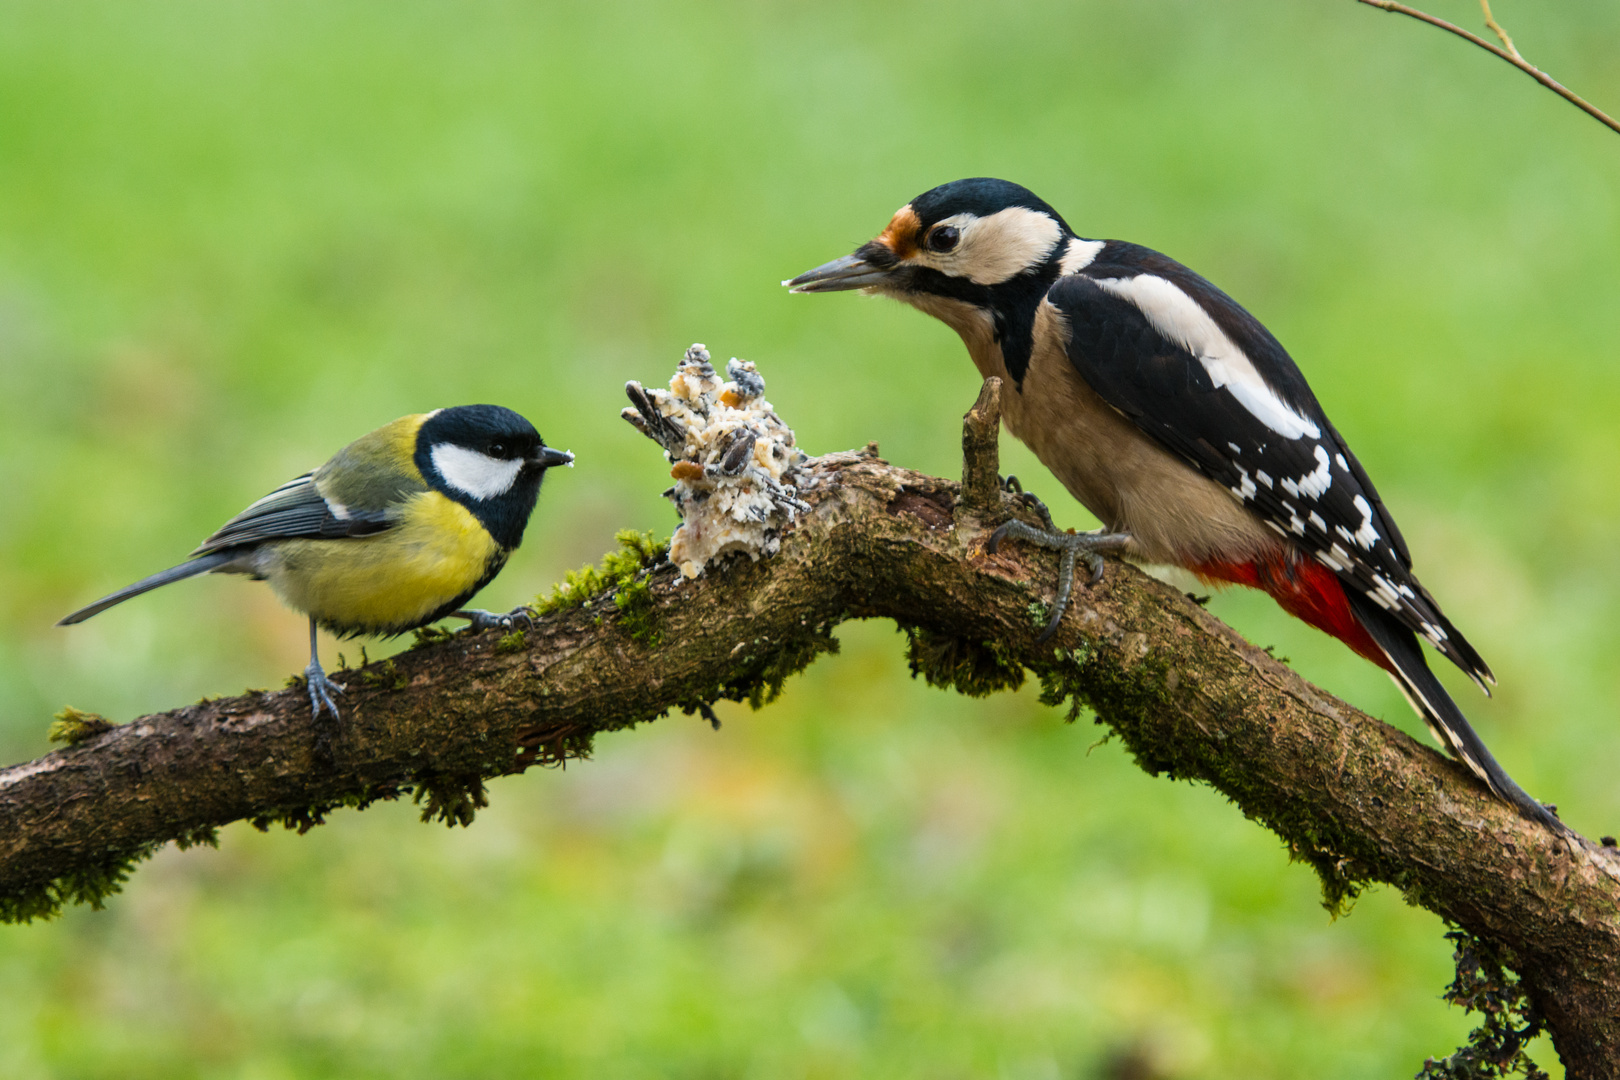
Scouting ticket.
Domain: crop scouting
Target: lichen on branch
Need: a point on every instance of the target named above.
(732, 458)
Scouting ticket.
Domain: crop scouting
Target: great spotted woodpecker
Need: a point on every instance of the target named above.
(1178, 420)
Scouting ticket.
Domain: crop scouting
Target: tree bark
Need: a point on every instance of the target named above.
(1357, 799)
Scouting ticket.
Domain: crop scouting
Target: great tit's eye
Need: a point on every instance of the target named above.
(499, 449)
(943, 239)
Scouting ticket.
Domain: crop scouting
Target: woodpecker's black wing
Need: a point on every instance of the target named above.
(1204, 378)
(296, 509)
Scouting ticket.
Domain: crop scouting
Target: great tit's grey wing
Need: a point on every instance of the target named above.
(297, 509)
(376, 474)
(360, 491)
(1201, 376)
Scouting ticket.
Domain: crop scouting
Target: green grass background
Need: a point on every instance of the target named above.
(234, 235)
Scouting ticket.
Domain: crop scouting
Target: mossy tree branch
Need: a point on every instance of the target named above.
(1358, 800)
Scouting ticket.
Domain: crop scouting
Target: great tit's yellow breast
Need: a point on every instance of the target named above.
(438, 554)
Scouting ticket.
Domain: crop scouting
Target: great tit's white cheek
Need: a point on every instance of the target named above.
(473, 473)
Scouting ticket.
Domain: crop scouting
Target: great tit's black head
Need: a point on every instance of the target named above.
(489, 459)
(972, 240)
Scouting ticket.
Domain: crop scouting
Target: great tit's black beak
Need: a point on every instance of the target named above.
(548, 458)
(850, 272)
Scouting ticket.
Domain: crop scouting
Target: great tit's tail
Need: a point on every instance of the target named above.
(163, 577)
(1410, 670)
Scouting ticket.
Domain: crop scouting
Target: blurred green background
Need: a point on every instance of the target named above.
(235, 235)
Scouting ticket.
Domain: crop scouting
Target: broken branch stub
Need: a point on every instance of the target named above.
(981, 451)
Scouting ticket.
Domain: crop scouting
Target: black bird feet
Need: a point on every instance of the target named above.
(1011, 486)
(1088, 546)
(479, 620)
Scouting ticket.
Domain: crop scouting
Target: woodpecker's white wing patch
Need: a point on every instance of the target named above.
(1180, 318)
(472, 473)
(1080, 254)
(995, 247)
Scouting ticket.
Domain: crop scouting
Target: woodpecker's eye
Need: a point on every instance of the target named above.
(943, 239)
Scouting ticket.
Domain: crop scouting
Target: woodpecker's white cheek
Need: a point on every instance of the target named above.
(1180, 318)
(475, 474)
(998, 247)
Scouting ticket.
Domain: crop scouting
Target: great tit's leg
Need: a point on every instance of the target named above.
(1011, 485)
(1090, 546)
(321, 688)
(479, 620)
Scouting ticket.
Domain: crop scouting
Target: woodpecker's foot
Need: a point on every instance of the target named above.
(1011, 486)
(321, 690)
(1088, 546)
(479, 620)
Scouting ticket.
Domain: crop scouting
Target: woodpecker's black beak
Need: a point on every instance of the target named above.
(850, 272)
(548, 458)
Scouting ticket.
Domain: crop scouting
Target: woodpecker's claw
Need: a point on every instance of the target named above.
(1088, 546)
(1011, 486)
(479, 620)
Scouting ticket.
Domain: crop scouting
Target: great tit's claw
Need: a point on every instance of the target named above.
(321, 690)
(479, 620)
(1072, 546)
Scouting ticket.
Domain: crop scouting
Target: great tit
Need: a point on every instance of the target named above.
(399, 529)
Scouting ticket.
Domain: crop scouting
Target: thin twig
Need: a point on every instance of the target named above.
(1492, 24)
(1511, 57)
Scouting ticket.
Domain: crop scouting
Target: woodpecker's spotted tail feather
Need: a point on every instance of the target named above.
(1309, 591)
(147, 584)
(1406, 664)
